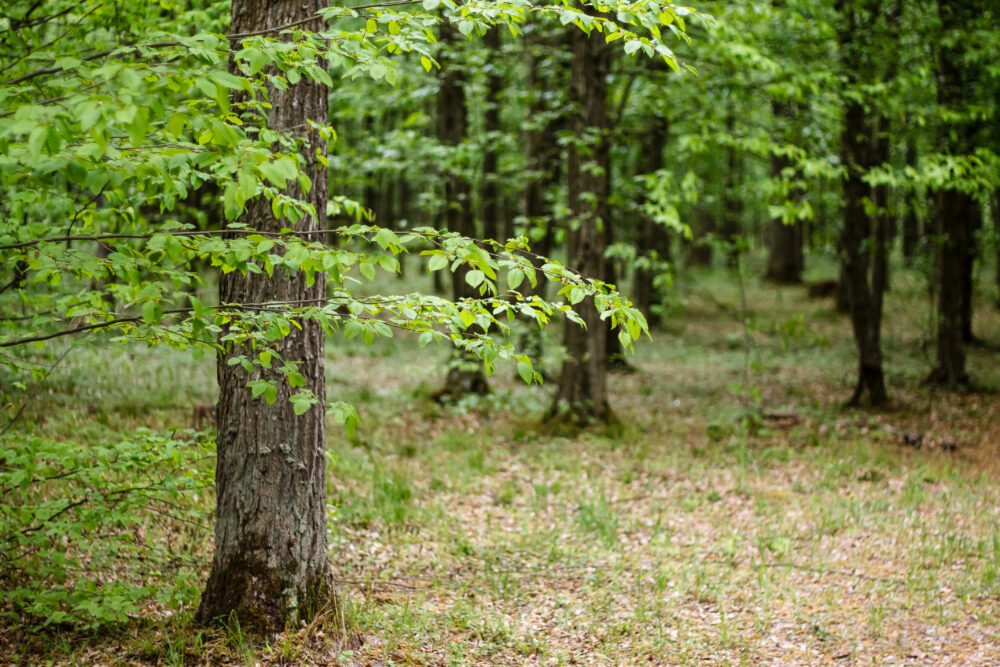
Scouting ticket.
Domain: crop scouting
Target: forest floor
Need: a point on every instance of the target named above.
(738, 514)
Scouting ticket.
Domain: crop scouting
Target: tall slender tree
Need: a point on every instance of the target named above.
(465, 371)
(864, 248)
(582, 392)
(785, 260)
(957, 213)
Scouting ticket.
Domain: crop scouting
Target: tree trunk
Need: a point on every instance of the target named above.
(785, 260)
(864, 146)
(732, 205)
(489, 197)
(654, 243)
(974, 220)
(582, 393)
(996, 232)
(542, 169)
(956, 213)
(699, 252)
(911, 220)
(863, 256)
(465, 372)
(270, 566)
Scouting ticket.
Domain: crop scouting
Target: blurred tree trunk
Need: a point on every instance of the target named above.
(654, 241)
(489, 197)
(542, 158)
(732, 204)
(865, 145)
(996, 232)
(270, 567)
(465, 372)
(699, 252)
(582, 395)
(957, 214)
(911, 220)
(785, 259)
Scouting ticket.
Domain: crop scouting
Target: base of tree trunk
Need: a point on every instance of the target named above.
(950, 379)
(617, 363)
(783, 278)
(463, 382)
(566, 420)
(258, 598)
(871, 383)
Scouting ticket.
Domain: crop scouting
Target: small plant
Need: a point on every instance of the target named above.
(71, 515)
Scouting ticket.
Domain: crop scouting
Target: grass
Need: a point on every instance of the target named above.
(696, 533)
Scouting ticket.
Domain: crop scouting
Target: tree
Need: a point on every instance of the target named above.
(654, 240)
(465, 373)
(582, 392)
(100, 145)
(865, 235)
(785, 261)
(270, 566)
(957, 213)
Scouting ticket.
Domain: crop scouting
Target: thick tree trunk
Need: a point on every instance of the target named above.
(270, 567)
(956, 213)
(654, 244)
(582, 393)
(465, 371)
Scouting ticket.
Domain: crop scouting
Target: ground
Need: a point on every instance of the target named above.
(738, 514)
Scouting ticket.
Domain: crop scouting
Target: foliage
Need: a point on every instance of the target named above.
(100, 155)
(89, 534)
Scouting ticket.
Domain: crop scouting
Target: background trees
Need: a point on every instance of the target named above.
(146, 163)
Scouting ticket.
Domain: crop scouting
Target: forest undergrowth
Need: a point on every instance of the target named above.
(737, 513)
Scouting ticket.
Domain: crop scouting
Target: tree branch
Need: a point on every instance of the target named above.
(231, 37)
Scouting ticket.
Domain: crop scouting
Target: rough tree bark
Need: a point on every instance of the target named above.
(582, 395)
(864, 247)
(270, 565)
(465, 372)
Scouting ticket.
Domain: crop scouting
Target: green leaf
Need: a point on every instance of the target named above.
(437, 262)
(228, 80)
(475, 278)
(152, 312)
(525, 370)
(514, 278)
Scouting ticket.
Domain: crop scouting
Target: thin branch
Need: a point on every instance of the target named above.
(95, 56)
(231, 37)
